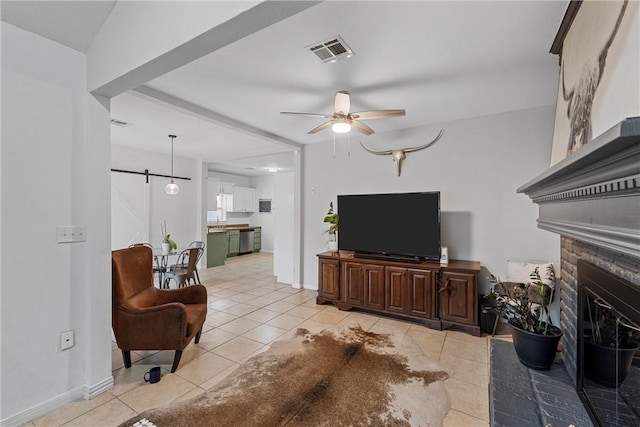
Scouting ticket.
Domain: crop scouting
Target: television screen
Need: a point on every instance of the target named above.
(401, 224)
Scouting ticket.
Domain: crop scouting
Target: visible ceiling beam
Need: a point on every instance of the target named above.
(112, 71)
(194, 110)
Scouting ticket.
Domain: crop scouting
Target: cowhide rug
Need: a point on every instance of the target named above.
(335, 377)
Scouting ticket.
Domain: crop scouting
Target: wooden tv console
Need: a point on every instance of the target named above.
(436, 295)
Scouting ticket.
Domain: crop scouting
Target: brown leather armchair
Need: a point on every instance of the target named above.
(147, 318)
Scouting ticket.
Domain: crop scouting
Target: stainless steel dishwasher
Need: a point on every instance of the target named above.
(246, 241)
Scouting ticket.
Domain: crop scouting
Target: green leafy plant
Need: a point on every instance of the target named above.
(331, 218)
(607, 327)
(526, 305)
(166, 238)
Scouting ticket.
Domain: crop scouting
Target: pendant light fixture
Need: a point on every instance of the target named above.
(172, 188)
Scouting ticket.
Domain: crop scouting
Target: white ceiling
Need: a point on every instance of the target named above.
(441, 61)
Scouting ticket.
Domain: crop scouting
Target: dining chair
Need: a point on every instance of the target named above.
(148, 245)
(146, 318)
(182, 276)
(200, 246)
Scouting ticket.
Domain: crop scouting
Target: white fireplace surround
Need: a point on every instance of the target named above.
(593, 195)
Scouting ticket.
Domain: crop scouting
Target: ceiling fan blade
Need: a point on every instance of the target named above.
(377, 114)
(324, 116)
(321, 127)
(361, 127)
(342, 103)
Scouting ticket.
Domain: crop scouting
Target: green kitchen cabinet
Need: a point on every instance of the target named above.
(257, 239)
(217, 246)
(234, 242)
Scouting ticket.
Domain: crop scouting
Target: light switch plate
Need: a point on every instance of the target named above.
(71, 233)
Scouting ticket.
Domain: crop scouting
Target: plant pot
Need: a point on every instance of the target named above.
(333, 246)
(536, 351)
(488, 314)
(166, 248)
(600, 363)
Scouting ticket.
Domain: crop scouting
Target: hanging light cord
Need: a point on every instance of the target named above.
(334, 145)
(172, 138)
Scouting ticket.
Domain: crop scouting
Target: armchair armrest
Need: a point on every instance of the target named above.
(161, 327)
(194, 294)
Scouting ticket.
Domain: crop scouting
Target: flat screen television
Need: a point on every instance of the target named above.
(399, 225)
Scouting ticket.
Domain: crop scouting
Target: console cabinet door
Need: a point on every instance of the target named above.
(458, 302)
(374, 286)
(421, 298)
(353, 282)
(396, 295)
(329, 279)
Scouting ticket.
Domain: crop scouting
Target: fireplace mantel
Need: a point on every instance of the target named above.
(593, 195)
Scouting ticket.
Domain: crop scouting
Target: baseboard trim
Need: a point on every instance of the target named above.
(82, 392)
(97, 389)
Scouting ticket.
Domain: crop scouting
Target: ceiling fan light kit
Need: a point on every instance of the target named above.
(341, 126)
(343, 121)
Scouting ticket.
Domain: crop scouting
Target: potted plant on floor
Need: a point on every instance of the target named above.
(526, 307)
(332, 219)
(609, 344)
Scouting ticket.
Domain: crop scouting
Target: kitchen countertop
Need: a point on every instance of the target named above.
(225, 228)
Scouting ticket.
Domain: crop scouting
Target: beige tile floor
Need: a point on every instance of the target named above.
(248, 310)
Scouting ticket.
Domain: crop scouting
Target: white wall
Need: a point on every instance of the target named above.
(54, 169)
(182, 211)
(283, 243)
(264, 186)
(477, 166)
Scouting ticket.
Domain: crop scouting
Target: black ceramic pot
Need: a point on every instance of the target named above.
(534, 350)
(605, 365)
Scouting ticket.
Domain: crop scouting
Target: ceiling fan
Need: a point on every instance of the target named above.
(342, 121)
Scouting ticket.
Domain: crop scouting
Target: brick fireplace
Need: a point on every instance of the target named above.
(592, 199)
(621, 265)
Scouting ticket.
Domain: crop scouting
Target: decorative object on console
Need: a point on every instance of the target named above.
(172, 188)
(399, 155)
(444, 256)
(332, 218)
(526, 307)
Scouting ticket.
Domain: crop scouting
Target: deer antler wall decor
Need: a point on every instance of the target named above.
(400, 154)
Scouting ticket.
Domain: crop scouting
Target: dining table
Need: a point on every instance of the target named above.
(162, 261)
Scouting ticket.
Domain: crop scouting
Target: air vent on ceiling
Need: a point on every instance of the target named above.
(331, 50)
(119, 123)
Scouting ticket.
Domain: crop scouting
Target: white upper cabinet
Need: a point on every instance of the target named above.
(225, 187)
(244, 199)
